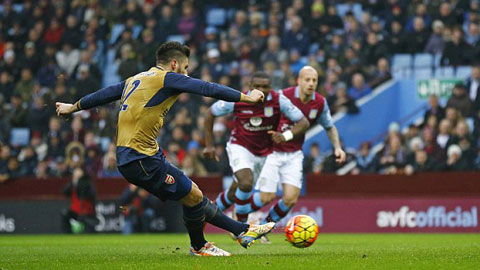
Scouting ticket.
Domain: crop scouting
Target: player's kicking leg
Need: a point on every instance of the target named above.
(195, 219)
(149, 173)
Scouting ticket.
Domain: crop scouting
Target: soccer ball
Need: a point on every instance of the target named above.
(301, 231)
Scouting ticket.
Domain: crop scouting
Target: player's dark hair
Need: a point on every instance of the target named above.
(170, 50)
(260, 75)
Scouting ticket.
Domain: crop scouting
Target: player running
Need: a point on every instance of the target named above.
(250, 141)
(145, 100)
(285, 164)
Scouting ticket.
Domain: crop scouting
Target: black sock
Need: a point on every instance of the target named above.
(194, 218)
(215, 217)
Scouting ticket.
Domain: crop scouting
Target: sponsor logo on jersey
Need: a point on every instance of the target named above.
(268, 111)
(313, 114)
(256, 121)
(247, 111)
(169, 179)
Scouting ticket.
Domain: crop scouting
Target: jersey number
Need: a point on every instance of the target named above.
(135, 86)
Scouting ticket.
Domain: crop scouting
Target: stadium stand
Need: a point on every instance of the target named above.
(108, 42)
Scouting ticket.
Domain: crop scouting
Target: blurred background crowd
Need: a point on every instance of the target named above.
(55, 50)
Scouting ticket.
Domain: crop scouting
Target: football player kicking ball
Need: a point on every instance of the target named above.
(285, 164)
(250, 141)
(145, 100)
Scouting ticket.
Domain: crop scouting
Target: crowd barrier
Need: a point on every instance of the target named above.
(429, 202)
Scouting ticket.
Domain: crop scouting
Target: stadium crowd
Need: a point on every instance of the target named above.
(55, 50)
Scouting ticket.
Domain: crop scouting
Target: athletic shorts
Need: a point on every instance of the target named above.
(157, 176)
(240, 157)
(281, 167)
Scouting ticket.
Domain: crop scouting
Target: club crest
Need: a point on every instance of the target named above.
(268, 111)
(169, 179)
(313, 113)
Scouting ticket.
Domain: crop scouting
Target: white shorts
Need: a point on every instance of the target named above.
(240, 158)
(281, 167)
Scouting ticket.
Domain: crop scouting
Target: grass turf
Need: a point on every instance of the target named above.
(170, 251)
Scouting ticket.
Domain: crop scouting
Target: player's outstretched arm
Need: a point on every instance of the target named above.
(187, 84)
(97, 98)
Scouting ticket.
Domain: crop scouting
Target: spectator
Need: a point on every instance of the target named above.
(80, 216)
(461, 101)
(312, 162)
(109, 169)
(31, 58)
(436, 42)
(341, 101)
(381, 74)
(359, 88)
(473, 88)
(274, 53)
(54, 33)
(68, 58)
(396, 41)
(364, 159)
(446, 16)
(418, 38)
(422, 163)
(85, 83)
(435, 109)
(431, 147)
(138, 209)
(24, 87)
(296, 38)
(457, 51)
(455, 162)
(444, 133)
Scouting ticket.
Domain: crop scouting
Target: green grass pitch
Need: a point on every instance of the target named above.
(170, 251)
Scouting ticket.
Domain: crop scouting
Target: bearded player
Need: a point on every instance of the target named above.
(250, 141)
(145, 100)
(285, 164)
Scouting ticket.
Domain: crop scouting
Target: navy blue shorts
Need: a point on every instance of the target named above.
(156, 175)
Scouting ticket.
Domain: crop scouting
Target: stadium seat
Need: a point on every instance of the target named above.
(19, 136)
(117, 30)
(136, 31)
(402, 61)
(357, 10)
(404, 73)
(216, 17)
(444, 72)
(422, 60)
(423, 73)
(436, 59)
(177, 38)
(463, 72)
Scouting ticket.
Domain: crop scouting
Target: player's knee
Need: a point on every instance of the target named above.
(246, 186)
(194, 197)
(290, 201)
(267, 198)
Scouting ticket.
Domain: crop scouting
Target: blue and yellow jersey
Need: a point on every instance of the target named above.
(144, 104)
(145, 100)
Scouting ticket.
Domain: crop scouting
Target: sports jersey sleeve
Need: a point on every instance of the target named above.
(102, 96)
(221, 107)
(187, 84)
(289, 110)
(325, 118)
